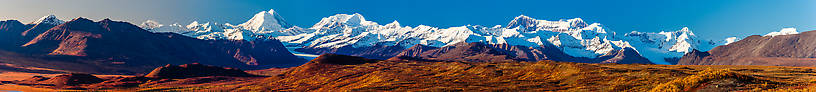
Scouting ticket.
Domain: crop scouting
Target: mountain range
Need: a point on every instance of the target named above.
(355, 54)
(352, 34)
(114, 47)
(264, 41)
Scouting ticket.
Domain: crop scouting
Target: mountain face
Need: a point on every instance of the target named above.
(10, 32)
(771, 50)
(50, 19)
(113, 47)
(15, 34)
(265, 22)
(661, 46)
(481, 52)
(352, 34)
(41, 26)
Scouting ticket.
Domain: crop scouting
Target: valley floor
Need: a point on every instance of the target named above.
(403, 75)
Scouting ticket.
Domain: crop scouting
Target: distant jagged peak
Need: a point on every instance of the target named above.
(686, 31)
(80, 20)
(784, 31)
(11, 21)
(394, 24)
(106, 20)
(681, 34)
(194, 24)
(340, 20)
(523, 17)
(266, 21)
(577, 23)
(522, 21)
(574, 25)
(150, 24)
(50, 19)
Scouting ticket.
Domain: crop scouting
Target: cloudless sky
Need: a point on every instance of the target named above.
(712, 19)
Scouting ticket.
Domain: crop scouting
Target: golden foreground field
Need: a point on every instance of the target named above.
(402, 75)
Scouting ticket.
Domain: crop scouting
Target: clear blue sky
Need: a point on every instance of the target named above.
(713, 19)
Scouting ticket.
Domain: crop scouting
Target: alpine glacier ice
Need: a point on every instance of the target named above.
(658, 47)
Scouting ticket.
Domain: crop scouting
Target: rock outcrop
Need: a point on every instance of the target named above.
(194, 70)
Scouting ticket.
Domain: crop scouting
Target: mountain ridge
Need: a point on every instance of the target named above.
(771, 50)
(114, 47)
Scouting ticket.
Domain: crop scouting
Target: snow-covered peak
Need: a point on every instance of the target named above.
(50, 19)
(577, 23)
(784, 31)
(265, 21)
(340, 20)
(196, 25)
(172, 28)
(686, 31)
(730, 40)
(150, 24)
(394, 24)
(522, 21)
(682, 34)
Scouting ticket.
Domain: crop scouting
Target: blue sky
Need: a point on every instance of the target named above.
(713, 19)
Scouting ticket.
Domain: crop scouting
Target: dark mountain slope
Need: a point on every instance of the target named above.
(480, 52)
(782, 50)
(119, 47)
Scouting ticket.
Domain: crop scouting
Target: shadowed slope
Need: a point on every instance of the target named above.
(781, 50)
(480, 52)
(113, 47)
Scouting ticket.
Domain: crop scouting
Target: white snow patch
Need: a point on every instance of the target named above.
(730, 40)
(784, 31)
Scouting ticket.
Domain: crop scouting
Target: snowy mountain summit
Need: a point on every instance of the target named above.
(150, 25)
(265, 22)
(50, 19)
